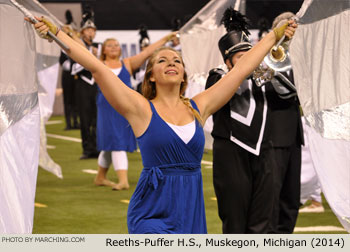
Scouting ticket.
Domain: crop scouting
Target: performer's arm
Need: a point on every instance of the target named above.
(135, 62)
(133, 106)
(212, 99)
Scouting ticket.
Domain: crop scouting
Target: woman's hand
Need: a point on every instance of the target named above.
(67, 29)
(172, 35)
(291, 28)
(43, 26)
(287, 28)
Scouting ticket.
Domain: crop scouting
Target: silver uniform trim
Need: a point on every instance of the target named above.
(87, 80)
(244, 45)
(76, 68)
(247, 120)
(255, 151)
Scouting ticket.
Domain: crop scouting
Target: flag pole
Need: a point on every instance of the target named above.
(32, 19)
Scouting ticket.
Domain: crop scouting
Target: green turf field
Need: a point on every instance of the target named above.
(74, 205)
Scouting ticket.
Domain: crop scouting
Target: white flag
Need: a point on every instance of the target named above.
(320, 56)
(19, 121)
(21, 58)
(199, 39)
(47, 67)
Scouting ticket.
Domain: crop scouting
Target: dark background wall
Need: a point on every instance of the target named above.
(256, 10)
(160, 14)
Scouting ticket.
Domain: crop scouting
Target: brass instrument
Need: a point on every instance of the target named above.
(262, 74)
(278, 57)
(277, 60)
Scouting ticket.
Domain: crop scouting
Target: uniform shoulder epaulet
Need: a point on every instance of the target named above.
(215, 71)
(214, 76)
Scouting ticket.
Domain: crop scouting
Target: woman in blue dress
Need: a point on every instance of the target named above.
(169, 195)
(114, 133)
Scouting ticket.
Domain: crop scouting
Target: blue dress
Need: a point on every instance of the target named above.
(114, 132)
(168, 198)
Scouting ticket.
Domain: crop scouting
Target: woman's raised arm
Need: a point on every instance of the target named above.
(133, 106)
(212, 99)
(136, 61)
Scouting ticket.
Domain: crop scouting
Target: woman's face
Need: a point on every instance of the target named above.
(112, 49)
(168, 68)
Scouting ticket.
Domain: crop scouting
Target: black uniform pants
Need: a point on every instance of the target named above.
(86, 94)
(243, 185)
(286, 189)
(69, 99)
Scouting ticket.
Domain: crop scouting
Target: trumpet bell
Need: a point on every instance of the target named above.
(278, 60)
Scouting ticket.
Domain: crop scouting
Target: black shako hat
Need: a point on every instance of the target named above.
(144, 40)
(88, 18)
(236, 39)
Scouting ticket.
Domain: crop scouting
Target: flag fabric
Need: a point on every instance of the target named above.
(203, 32)
(47, 88)
(320, 56)
(47, 68)
(19, 120)
(20, 113)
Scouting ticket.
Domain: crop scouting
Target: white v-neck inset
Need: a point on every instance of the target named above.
(116, 71)
(185, 132)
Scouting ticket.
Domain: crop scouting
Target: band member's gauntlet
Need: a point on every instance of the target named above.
(279, 31)
(52, 28)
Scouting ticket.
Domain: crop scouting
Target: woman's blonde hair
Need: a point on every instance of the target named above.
(103, 55)
(149, 89)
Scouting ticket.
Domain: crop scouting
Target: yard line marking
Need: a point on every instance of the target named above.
(319, 229)
(53, 122)
(39, 205)
(73, 139)
(207, 164)
(50, 147)
(90, 171)
(125, 201)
